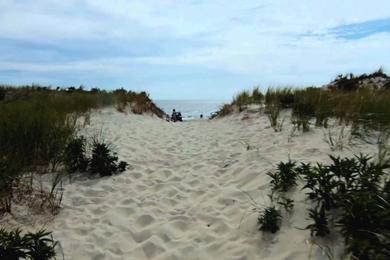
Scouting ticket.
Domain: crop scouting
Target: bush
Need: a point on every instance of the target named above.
(35, 246)
(356, 187)
(365, 225)
(320, 226)
(103, 161)
(75, 158)
(286, 203)
(10, 170)
(270, 220)
(284, 178)
(2, 93)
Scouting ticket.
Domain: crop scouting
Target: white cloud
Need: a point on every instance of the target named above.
(257, 39)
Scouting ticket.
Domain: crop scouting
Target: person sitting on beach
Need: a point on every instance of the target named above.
(179, 118)
(174, 115)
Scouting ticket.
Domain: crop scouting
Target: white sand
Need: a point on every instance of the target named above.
(186, 192)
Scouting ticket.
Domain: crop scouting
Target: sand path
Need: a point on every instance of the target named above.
(185, 193)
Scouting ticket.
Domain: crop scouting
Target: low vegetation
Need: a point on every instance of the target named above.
(353, 192)
(38, 134)
(350, 100)
(270, 219)
(35, 246)
(103, 161)
(38, 126)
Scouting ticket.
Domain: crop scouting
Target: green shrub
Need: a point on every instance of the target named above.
(10, 170)
(270, 220)
(346, 83)
(286, 203)
(358, 187)
(320, 226)
(284, 178)
(2, 93)
(365, 225)
(34, 246)
(103, 161)
(75, 155)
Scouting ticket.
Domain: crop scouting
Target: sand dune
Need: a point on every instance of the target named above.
(188, 192)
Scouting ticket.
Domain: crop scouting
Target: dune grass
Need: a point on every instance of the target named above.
(364, 108)
(37, 124)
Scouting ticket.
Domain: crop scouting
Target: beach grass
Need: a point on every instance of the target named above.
(37, 123)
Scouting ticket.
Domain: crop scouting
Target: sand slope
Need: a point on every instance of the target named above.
(187, 192)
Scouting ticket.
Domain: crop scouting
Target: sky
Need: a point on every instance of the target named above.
(195, 49)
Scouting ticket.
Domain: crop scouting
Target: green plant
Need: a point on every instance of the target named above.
(384, 147)
(104, 161)
(9, 172)
(34, 246)
(286, 203)
(273, 112)
(320, 226)
(257, 96)
(270, 220)
(304, 108)
(337, 139)
(122, 166)
(241, 100)
(74, 157)
(365, 225)
(285, 177)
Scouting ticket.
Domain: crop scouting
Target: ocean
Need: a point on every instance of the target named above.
(190, 109)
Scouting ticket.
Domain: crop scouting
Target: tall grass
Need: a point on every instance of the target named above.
(37, 123)
(365, 108)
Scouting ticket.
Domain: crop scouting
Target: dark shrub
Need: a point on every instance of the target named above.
(284, 178)
(122, 166)
(103, 161)
(320, 226)
(9, 172)
(2, 93)
(270, 220)
(35, 246)
(74, 157)
(346, 83)
(355, 187)
(365, 225)
(287, 204)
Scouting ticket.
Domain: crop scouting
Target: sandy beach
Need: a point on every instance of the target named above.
(192, 190)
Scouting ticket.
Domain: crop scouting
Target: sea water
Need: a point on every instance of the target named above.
(190, 109)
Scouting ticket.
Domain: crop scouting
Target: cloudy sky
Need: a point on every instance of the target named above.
(195, 49)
